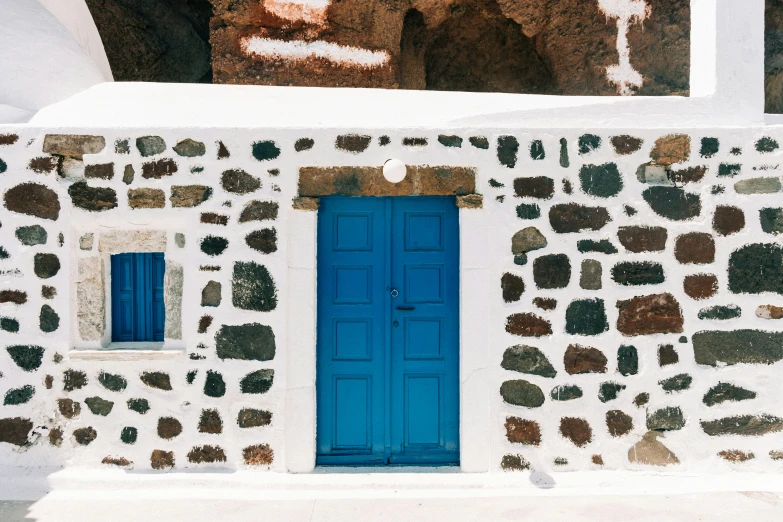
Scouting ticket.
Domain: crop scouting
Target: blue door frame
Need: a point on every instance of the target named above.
(138, 310)
(388, 331)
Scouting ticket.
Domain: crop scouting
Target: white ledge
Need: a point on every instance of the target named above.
(125, 354)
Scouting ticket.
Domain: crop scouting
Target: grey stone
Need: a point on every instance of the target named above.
(590, 278)
(666, 419)
(527, 240)
(75, 145)
(746, 425)
(608, 391)
(257, 382)
(32, 235)
(737, 347)
(119, 241)
(86, 241)
(522, 393)
(248, 342)
(190, 148)
(724, 391)
(566, 392)
(173, 282)
(99, 406)
(527, 359)
(90, 298)
(679, 382)
(653, 175)
(211, 294)
(758, 186)
(179, 240)
(150, 145)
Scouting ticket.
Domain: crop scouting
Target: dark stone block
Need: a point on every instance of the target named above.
(146, 198)
(641, 399)
(571, 217)
(84, 436)
(513, 286)
(737, 347)
(32, 235)
(724, 391)
(528, 211)
(643, 239)
(745, 425)
(576, 430)
(586, 317)
(552, 271)
(264, 240)
(48, 292)
(767, 144)
(99, 406)
(528, 325)
(603, 246)
(720, 313)
(625, 145)
(210, 422)
(252, 418)
(128, 174)
(141, 406)
(252, 287)
(158, 380)
(527, 359)
(265, 150)
(354, 143)
(8, 139)
(122, 146)
(248, 342)
(74, 380)
(695, 248)
(667, 355)
(666, 419)
(582, 359)
(647, 315)
(211, 294)
(709, 147)
(258, 455)
(728, 220)
(756, 268)
(564, 161)
(771, 220)
(237, 181)
(169, 427)
(190, 148)
(189, 195)
(16, 396)
(129, 434)
(566, 392)
(450, 140)
(68, 408)
(15, 430)
(634, 273)
(223, 152)
(729, 170)
(545, 303)
(206, 454)
(700, 286)
(33, 199)
(259, 211)
(608, 391)
(46, 265)
(150, 145)
(508, 148)
(204, 323)
(679, 382)
(214, 245)
(480, 142)
(43, 165)
(13, 296)
(540, 187)
(602, 181)
(673, 203)
(8, 324)
(627, 360)
(618, 423)
(48, 320)
(159, 169)
(103, 171)
(522, 393)
(214, 385)
(160, 459)
(257, 382)
(537, 151)
(303, 144)
(26, 357)
(113, 382)
(190, 377)
(93, 199)
(522, 431)
(589, 143)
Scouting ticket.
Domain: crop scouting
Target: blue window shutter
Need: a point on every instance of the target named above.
(138, 311)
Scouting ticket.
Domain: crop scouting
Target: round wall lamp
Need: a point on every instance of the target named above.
(394, 170)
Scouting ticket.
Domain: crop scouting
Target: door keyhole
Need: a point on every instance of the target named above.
(396, 324)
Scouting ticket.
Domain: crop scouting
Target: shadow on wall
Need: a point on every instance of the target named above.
(156, 40)
(773, 56)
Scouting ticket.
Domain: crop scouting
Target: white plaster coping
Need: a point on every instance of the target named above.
(129, 353)
(300, 405)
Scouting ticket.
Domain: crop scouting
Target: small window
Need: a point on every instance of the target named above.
(138, 312)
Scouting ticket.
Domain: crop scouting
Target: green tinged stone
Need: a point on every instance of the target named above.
(191, 376)
(724, 391)
(249, 342)
(709, 147)
(586, 317)
(508, 147)
(214, 245)
(673, 203)
(129, 434)
(150, 145)
(8, 324)
(159, 380)
(771, 220)
(677, 383)
(99, 406)
(48, 320)
(252, 418)
(666, 419)
(112, 382)
(604, 246)
(756, 268)
(32, 235)
(602, 181)
(190, 148)
(589, 143)
(28, 358)
(527, 359)
(608, 391)
(627, 360)
(766, 144)
(528, 211)
(746, 425)
(265, 150)
(480, 142)
(16, 396)
(720, 313)
(537, 150)
(522, 393)
(139, 405)
(729, 170)
(564, 161)
(737, 347)
(450, 141)
(257, 382)
(252, 287)
(214, 385)
(634, 273)
(566, 392)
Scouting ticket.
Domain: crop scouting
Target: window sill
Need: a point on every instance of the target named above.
(127, 352)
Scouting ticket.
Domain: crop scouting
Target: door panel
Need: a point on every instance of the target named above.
(388, 331)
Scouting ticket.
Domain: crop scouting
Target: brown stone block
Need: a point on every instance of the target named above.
(528, 325)
(582, 359)
(162, 459)
(189, 195)
(158, 169)
(700, 286)
(146, 198)
(15, 430)
(369, 181)
(695, 248)
(647, 315)
(523, 431)
(674, 148)
(258, 455)
(75, 145)
(643, 239)
(576, 430)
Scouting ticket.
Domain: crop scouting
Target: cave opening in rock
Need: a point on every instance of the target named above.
(476, 49)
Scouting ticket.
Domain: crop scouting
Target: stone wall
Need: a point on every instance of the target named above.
(635, 305)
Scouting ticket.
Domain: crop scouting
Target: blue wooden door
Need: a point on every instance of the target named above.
(138, 309)
(388, 331)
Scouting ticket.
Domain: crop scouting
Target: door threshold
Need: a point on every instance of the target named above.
(387, 469)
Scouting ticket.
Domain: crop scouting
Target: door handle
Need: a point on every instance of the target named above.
(406, 308)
